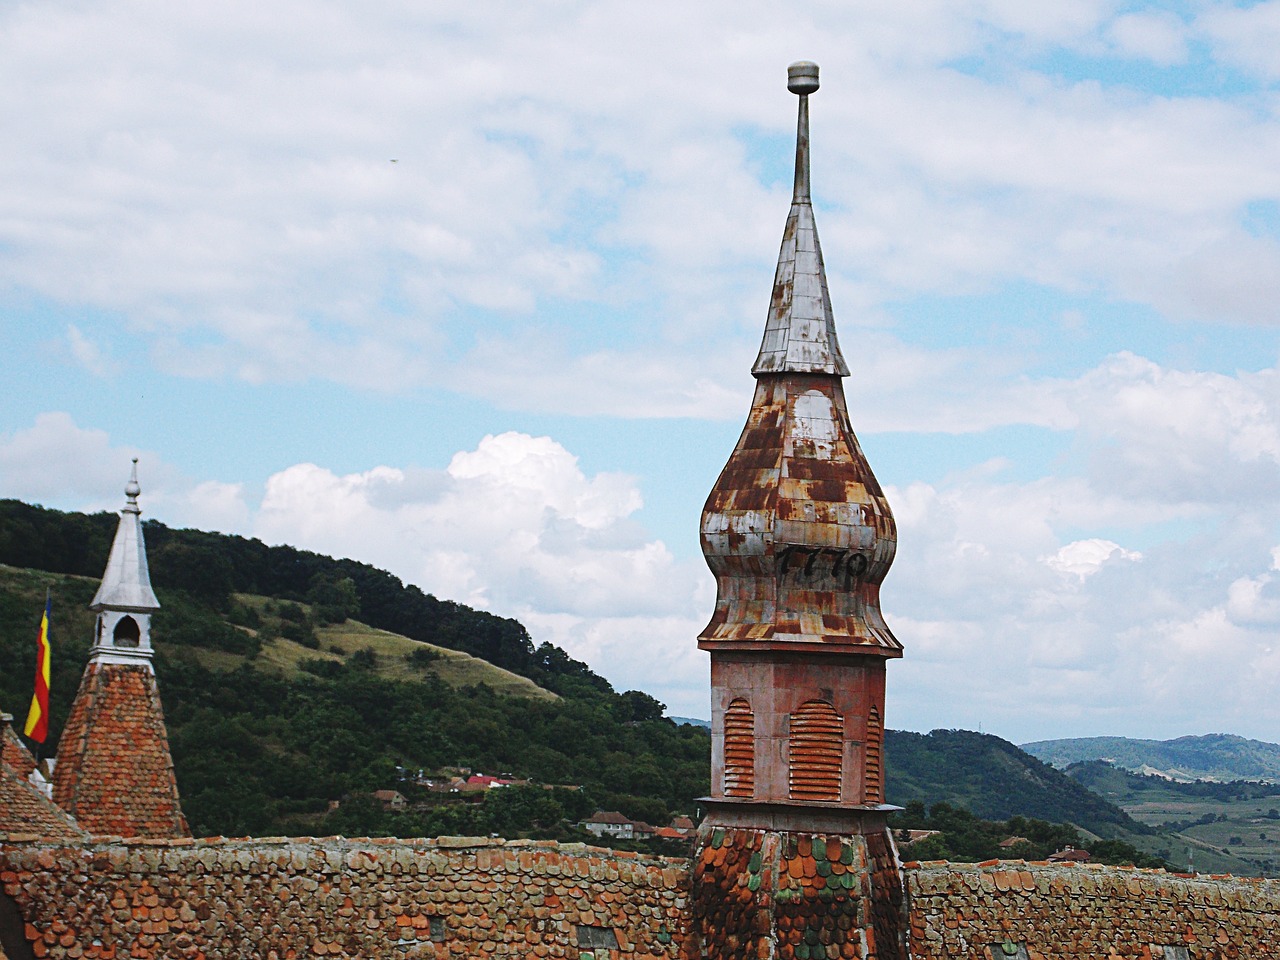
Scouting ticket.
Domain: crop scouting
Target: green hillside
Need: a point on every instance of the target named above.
(266, 730)
(994, 780)
(1215, 756)
(210, 568)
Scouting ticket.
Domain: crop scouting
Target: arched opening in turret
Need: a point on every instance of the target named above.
(816, 751)
(126, 633)
(874, 777)
(739, 750)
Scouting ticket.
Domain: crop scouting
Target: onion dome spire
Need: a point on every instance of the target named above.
(800, 334)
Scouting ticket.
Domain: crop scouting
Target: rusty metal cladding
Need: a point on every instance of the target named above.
(799, 536)
(797, 529)
(800, 334)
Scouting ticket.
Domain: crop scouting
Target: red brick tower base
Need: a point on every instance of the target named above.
(761, 893)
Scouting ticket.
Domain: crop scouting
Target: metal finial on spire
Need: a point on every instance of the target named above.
(132, 489)
(800, 334)
(802, 80)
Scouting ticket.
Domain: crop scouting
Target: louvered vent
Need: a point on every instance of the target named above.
(817, 748)
(739, 750)
(875, 739)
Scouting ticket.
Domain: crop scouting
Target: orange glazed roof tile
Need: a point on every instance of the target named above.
(114, 772)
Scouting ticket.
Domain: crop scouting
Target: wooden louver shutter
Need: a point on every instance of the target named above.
(739, 750)
(874, 789)
(817, 751)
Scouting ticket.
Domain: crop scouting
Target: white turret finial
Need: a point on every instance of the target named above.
(131, 490)
(125, 601)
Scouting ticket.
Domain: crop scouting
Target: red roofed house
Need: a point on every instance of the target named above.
(114, 772)
(609, 823)
(1069, 855)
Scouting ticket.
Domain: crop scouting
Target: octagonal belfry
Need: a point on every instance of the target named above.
(794, 857)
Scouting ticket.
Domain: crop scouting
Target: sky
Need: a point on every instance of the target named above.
(471, 292)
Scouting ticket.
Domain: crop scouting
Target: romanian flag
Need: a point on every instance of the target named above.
(37, 727)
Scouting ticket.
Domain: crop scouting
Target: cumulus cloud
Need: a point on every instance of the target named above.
(1083, 558)
(57, 463)
(515, 526)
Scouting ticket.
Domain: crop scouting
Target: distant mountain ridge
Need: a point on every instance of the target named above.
(1214, 756)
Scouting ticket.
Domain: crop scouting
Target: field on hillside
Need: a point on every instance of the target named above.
(395, 657)
(1212, 832)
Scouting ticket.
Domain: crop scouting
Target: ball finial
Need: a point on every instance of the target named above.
(131, 489)
(802, 77)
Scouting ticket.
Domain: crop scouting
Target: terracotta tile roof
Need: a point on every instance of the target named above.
(452, 897)
(1066, 911)
(114, 772)
(25, 810)
(12, 750)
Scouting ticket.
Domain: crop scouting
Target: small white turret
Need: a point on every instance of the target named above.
(125, 601)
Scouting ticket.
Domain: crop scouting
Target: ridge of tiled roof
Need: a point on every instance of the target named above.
(114, 772)
(24, 809)
(12, 750)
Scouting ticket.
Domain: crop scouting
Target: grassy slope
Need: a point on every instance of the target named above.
(22, 598)
(1155, 801)
(338, 641)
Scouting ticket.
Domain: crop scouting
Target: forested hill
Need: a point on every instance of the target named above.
(992, 778)
(209, 567)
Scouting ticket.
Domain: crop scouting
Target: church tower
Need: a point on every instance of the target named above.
(114, 772)
(794, 858)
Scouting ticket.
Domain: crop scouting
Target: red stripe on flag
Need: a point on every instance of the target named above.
(37, 726)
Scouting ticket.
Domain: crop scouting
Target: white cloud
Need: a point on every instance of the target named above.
(514, 526)
(1245, 36)
(225, 184)
(1156, 36)
(1083, 558)
(87, 353)
(59, 464)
